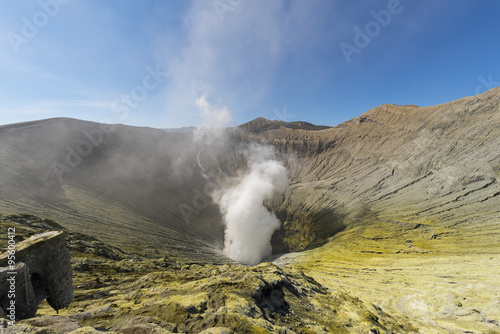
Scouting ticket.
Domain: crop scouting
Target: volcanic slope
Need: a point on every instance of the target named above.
(434, 166)
(415, 195)
(131, 186)
(399, 207)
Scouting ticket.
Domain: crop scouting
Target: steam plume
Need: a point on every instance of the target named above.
(249, 224)
(212, 116)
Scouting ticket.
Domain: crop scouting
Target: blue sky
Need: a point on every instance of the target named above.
(178, 63)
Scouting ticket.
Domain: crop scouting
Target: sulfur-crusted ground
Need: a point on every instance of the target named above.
(115, 291)
(388, 277)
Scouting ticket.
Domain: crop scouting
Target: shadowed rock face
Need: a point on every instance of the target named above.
(43, 271)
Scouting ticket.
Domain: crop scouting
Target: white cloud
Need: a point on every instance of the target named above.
(78, 103)
(26, 111)
(54, 108)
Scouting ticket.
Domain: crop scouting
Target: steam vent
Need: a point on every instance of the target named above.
(386, 223)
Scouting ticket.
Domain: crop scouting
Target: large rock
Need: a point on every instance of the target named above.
(43, 271)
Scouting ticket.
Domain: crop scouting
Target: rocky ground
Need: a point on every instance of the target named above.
(398, 278)
(129, 293)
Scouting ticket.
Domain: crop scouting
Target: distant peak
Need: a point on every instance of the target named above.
(259, 125)
(262, 124)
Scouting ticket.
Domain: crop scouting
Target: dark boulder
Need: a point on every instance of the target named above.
(42, 270)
